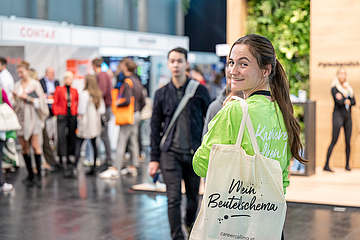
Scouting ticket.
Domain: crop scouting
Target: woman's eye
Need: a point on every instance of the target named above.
(230, 63)
(243, 64)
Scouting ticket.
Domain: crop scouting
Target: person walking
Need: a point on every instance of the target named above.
(104, 82)
(174, 152)
(4, 187)
(91, 106)
(31, 110)
(65, 108)
(254, 69)
(344, 99)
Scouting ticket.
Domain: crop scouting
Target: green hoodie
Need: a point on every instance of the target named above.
(269, 129)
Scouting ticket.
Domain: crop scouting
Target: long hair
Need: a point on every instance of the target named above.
(93, 88)
(336, 83)
(262, 49)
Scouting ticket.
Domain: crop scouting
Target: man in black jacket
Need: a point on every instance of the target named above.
(175, 156)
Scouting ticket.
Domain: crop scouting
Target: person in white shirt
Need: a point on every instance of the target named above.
(6, 79)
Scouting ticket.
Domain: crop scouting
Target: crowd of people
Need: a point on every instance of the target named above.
(51, 113)
(181, 140)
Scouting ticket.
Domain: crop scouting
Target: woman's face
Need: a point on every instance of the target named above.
(342, 75)
(22, 72)
(244, 71)
(68, 80)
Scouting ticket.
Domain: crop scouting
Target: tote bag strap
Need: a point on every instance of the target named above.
(246, 120)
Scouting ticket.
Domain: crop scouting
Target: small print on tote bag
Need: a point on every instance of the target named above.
(243, 196)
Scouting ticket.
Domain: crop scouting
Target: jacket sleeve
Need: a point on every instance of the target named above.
(222, 130)
(5, 98)
(126, 97)
(142, 101)
(206, 101)
(352, 100)
(334, 91)
(157, 119)
(55, 106)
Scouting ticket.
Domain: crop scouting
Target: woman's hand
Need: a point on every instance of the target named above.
(339, 96)
(347, 102)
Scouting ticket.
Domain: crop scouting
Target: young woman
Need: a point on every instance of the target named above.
(65, 108)
(254, 69)
(343, 96)
(31, 110)
(91, 106)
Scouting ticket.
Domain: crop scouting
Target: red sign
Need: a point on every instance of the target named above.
(29, 32)
(78, 67)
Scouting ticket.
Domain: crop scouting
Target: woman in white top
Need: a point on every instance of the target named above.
(31, 110)
(91, 106)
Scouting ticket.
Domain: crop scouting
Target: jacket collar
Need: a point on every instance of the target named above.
(184, 86)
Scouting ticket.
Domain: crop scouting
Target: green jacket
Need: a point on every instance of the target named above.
(269, 128)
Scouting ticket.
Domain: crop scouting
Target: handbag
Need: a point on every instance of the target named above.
(243, 196)
(8, 118)
(123, 115)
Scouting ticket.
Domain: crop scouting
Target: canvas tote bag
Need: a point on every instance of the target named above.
(8, 118)
(243, 196)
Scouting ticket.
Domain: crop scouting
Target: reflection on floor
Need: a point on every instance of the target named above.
(91, 208)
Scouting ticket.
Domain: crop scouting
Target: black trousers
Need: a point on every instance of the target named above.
(341, 118)
(1, 159)
(66, 126)
(175, 167)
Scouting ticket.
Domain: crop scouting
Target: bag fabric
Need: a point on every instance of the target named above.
(89, 126)
(243, 196)
(123, 115)
(8, 118)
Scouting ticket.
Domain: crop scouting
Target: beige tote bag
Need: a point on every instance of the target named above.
(8, 118)
(243, 196)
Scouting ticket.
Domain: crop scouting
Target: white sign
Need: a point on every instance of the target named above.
(25, 32)
(112, 38)
(85, 37)
(146, 41)
(222, 50)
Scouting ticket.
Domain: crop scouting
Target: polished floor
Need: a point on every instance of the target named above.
(91, 208)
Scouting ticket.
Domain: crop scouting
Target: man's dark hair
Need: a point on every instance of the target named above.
(3, 61)
(179, 50)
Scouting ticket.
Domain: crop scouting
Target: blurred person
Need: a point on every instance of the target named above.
(90, 108)
(49, 84)
(197, 75)
(6, 79)
(105, 85)
(344, 99)
(33, 74)
(65, 108)
(254, 70)
(128, 68)
(123, 99)
(31, 110)
(174, 156)
(218, 103)
(50, 164)
(4, 187)
(215, 86)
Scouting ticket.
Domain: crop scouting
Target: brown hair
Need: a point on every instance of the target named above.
(131, 66)
(97, 62)
(262, 49)
(23, 64)
(92, 86)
